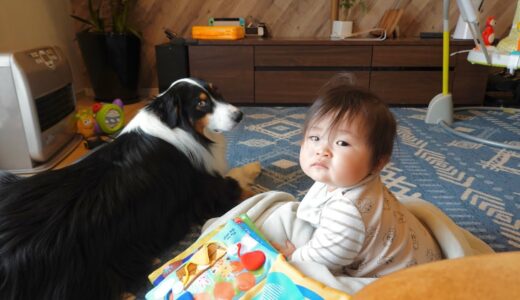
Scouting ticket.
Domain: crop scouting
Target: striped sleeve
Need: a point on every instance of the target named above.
(338, 239)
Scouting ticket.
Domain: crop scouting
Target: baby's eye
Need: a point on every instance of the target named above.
(342, 143)
(314, 138)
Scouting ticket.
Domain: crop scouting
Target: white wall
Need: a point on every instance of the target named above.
(26, 24)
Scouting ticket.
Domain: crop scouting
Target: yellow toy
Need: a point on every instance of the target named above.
(86, 123)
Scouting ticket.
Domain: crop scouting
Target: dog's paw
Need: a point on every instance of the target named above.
(128, 296)
(252, 170)
(246, 174)
(246, 193)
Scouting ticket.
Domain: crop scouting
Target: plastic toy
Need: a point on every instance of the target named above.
(109, 116)
(517, 50)
(504, 55)
(86, 123)
(95, 124)
(488, 35)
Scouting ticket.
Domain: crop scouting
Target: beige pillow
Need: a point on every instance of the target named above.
(490, 276)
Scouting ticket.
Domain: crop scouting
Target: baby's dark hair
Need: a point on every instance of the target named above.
(343, 101)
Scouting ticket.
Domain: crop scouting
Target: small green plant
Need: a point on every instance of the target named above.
(346, 6)
(119, 10)
(95, 21)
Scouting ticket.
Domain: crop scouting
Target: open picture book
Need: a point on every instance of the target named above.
(234, 261)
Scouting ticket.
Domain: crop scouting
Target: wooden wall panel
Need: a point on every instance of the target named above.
(284, 18)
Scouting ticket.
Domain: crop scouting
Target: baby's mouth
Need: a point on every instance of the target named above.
(319, 165)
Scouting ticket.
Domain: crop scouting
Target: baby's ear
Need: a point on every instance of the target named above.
(381, 164)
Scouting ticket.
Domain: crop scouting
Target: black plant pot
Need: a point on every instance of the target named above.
(112, 61)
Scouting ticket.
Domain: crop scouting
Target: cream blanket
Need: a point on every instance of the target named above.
(275, 215)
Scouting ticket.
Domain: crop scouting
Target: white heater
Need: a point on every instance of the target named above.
(37, 109)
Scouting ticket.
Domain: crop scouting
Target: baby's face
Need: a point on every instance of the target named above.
(339, 159)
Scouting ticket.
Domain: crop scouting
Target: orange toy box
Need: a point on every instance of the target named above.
(217, 32)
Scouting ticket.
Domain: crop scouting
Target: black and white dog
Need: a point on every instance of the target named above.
(92, 229)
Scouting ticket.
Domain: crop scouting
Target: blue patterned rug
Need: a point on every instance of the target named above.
(476, 185)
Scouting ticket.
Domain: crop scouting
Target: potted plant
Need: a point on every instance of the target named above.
(111, 53)
(342, 28)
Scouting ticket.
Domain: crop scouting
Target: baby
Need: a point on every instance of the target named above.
(360, 229)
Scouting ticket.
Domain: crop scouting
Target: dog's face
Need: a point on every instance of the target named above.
(193, 103)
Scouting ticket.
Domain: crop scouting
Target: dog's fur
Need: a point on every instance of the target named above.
(92, 229)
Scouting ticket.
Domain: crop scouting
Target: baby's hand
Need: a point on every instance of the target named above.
(287, 251)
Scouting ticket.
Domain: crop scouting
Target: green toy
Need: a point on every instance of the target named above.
(109, 116)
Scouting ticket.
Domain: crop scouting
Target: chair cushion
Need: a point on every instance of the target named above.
(490, 276)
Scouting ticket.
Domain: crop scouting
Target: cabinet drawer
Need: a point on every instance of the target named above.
(230, 68)
(406, 87)
(295, 86)
(313, 56)
(408, 56)
(470, 82)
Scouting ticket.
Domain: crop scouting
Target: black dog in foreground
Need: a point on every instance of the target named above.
(92, 229)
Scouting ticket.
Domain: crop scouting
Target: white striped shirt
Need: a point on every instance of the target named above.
(362, 231)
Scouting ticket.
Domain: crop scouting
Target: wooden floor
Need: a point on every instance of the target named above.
(130, 110)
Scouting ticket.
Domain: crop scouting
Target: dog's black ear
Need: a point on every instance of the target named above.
(168, 108)
(174, 117)
(174, 111)
(7, 178)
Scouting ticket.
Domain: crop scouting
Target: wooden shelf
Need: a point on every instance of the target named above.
(290, 71)
(312, 56)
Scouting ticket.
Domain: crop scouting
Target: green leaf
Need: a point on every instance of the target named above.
(135, 32)
(88, 22)
(120, 10)
(95, 20)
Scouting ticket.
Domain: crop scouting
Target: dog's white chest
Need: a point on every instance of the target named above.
(218, 150)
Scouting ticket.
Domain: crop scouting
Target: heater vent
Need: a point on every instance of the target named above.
(53, 107)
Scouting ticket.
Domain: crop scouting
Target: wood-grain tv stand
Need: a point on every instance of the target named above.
(260, 71)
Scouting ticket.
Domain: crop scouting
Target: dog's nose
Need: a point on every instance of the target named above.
(237, 116)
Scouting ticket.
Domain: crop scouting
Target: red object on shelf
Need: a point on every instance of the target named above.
(488, 35)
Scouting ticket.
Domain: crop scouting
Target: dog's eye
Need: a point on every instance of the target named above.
(202, 104)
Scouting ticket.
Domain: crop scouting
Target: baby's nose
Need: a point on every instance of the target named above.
(323, 151)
